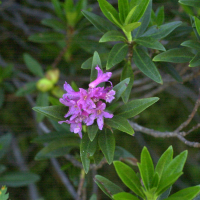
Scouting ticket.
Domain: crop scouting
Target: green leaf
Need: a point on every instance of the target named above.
(122, 153)
(117, 54)
(195, 62)
(124, 196)
(58, 9)
(112, 36)
(58, 147)
(120, 88)
(160, 16)
(123, 7)
(134, 107)
(144, 21)
(145, 64)
(132, 26)
(150, 43)
(162, 31)
(108, 10)
(33, 65)
(87, 64)
(194, 3)
(129, 16)
(42, 100)
(6, 72)
(177, 55)
(46, 138)
(3, 195)
(108, 187)
(129, 178)
(46, 37)
(2, 168)
(127, 72)
(185, 194)
(146, 168)
(120, 123)
(1, 97)
(92, 131)
(192, 44)
(5, 142)
(107, 144)
(53, 112)
(95, 61)
(87, 149)
(93, 197)
(28, 88)
(100, 23)
(197, 24)
(168, 68)
(54, 23)
(139, 11)
(165, 194)
(18, 179)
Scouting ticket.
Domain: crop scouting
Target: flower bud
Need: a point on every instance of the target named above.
(44, 85)
(53, 75)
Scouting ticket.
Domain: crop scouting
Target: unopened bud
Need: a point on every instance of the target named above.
(44, 85)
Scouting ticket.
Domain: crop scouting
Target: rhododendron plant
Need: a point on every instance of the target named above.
(87, 105)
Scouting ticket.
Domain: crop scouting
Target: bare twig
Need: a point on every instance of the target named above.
(80, 186)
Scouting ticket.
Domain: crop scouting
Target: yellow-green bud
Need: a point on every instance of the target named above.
(44, 85)
(53, 75)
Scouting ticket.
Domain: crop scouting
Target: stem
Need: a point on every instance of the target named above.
(128, 35)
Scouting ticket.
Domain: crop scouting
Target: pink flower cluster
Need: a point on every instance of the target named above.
(87, 105)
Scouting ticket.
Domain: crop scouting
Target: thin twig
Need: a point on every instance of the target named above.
(80, 186)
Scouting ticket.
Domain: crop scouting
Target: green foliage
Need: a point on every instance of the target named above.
(3, 195)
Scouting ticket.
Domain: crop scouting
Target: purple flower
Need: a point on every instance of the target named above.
(87, 105)
(101, 77)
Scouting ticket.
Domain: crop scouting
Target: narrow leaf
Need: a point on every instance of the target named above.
(197, 24)
(192, 44)
(112, 36)
(129, 16)
(107, 144)
(54, 23)
(123, 7)
(195, 62)
(120, 123)
(160, 16)
(26, 89)
(135, 107)
(5, 141)
(117, 54)
(58, 9)
(194, 3)
(177, 55)
(33, 65)
(1, 97)
(96, 61)
(132, 26)
(145, 64)
(124, 196)
(129, 177)
(92, 131)
(165, 194)
(87, 64)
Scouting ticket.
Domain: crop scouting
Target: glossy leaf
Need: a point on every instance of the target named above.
(33, 65)
(192, 44)
(123, 7)
(112, 36)
(117, 54)
(150, 43)
(162, 31)
(168, 68)
(124, 196)
(53, 112)
(134, 107)
(145, 64)
(139, 11)
(129, 178)
(42, 100)
(18, 179)
(185, 194)
(58, 147)
(129, 16)
(92, 131)
(28, 88)
(127, 72)
(177, 55)
(120, 123)
(87, 149)
(194, 3)
(108, 187)
(195, 62)
(144, 21)
(1, 97)
(108, 10)
(54, 23)
(146, 168)
(120, 88)
(46, 37)
(130, 27)
(5, 141)
(96, 61)
(100, 23)
(197, 24)
(107, 144)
